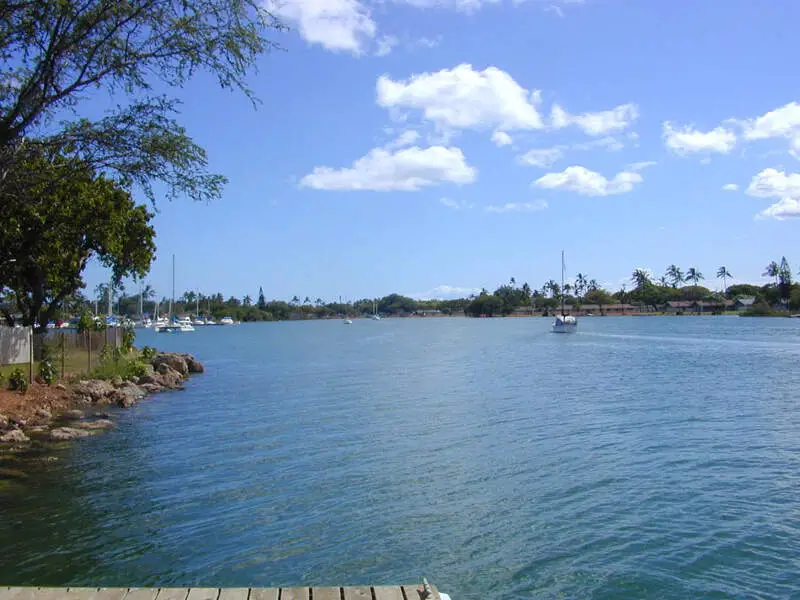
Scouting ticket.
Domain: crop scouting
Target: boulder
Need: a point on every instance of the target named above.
(60, 386)
(73, 415)
(93, 425)
(15, 436)
(127, 395)
(63, 434)
(3, 421)
(150, 388)
(194, 365)
(95, 390)
(43, 413)
(173, 361)
(168, 377)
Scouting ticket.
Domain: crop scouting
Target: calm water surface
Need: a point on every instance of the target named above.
(643, 457)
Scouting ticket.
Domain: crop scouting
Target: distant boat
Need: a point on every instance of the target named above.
(184, 324)
(170, 324)
(347, 322)
(226, 321)
(210, 321)
(375, 316)
(564, 323)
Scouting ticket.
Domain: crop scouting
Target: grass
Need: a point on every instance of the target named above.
(76, 363)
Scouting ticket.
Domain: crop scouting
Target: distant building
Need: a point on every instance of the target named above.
(744, 303)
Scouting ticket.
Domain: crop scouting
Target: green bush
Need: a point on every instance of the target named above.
(47, 372)
(149, 353)
(760, 309)
(128, 337)
(17, 381)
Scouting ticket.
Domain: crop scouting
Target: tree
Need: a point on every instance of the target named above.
(247, 301)
(599, 297)
(593, 285)
(49, 233)
(640, 278)
(724, 274)
(580, 284)
(56, 51)
(784, 280)
(663, 281)
(261, 303)
(693, 275)
(772, 270)
(675, 275)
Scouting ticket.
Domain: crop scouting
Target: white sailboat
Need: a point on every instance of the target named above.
(174, 325)
(564, 323)
(375, 316)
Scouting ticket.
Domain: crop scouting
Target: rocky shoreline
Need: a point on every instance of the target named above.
(66, 412)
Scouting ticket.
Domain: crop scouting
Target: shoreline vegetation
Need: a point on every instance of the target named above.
(35, 420)
(674, 293)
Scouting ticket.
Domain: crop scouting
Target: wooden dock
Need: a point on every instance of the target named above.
(378, 592)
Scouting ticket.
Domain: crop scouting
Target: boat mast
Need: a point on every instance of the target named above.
(562, 283)
(172, 300)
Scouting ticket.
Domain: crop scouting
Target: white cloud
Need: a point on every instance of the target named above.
(609, 143)
(406, 138)
(542, 157)
(464, 98)
(517, 207)
(596, 123)
(781, 122)
(638, 166)
(459, 5)
(588, 183)
(425, 42)
(338, 25)
(684, 140)
(409, 169)
(445, 292)
(786, 208)
(771, 183)
(454, 204)
(385, 45)
(501, 138)
(731, 187)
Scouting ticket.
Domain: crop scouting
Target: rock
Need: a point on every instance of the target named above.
(62, 434)
(166, 377)
(3, 421)
(151, 388)
(149, 369)
(60, 386)
(102, 415)
(134, 379)
(173, 361)
(96, 390)
(73, 415)
(127, 395)
(92, 425)
(117, 381)
(15, 436)
(43, 413)
(193, 365)
(147, 379)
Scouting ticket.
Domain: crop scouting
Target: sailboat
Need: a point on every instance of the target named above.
(564, 323)
(173, 325)
(375, 316)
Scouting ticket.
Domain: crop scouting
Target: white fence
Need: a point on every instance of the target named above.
(15, 345)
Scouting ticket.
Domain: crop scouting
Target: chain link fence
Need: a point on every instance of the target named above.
(71, 353)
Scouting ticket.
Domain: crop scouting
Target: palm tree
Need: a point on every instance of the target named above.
(580, 284)
(675, 275)
(772, 270)
(513, 282)
(641, 278)
(295, 300)
(723, 273)
(694, 276)
(247, 301)
(663, 281)
(593, 285)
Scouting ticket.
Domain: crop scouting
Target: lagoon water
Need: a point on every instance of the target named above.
(643, 457)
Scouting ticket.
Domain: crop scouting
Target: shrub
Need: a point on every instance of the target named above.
(128, 337)
(47, 372)
(760, 309)
(17, 381)
(149, 353)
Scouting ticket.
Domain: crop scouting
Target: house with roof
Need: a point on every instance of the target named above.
(744, 303)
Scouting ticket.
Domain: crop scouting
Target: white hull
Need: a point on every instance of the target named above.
(348, 322)
(565, 325)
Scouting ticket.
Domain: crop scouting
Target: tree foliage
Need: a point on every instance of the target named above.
(55, 52)
(48, 234)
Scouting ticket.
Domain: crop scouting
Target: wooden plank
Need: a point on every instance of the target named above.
(172, 593)
(294, 593)
(413, 592)
(264, 594)
(17, 593)
(95, 593)
(357, 593)
(48, 593)
(327, 593)
(387, 592)
(203, 594)
(233, 594)
(141, 594)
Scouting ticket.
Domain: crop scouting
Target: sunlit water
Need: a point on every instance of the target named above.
(642, 457)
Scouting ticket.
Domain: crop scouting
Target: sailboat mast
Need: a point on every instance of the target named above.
(172, 300)
(562, 283)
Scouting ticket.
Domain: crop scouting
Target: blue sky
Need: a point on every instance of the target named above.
(433, 147)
